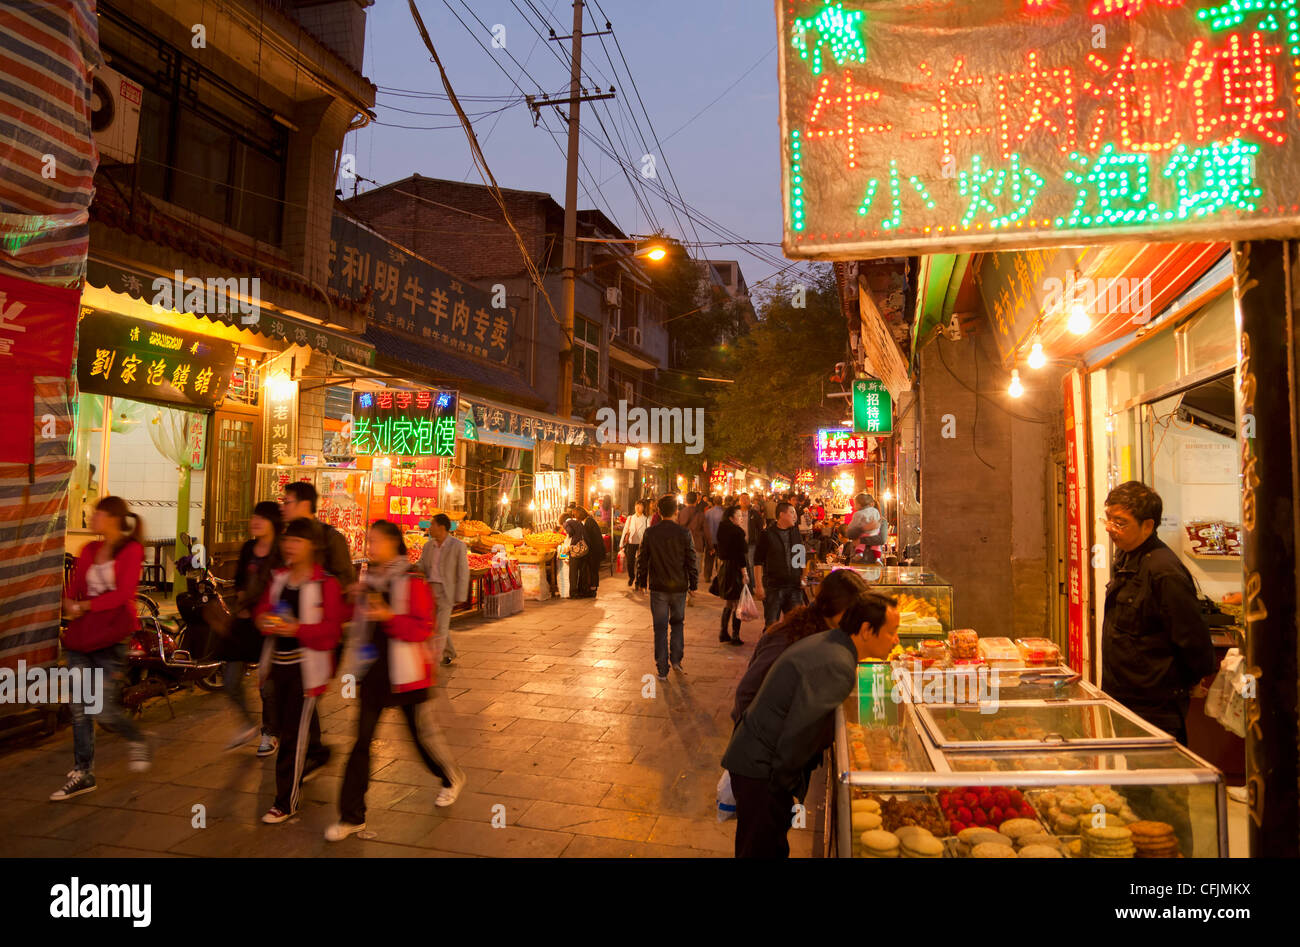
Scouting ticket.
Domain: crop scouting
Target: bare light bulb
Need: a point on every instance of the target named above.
(1016, 389)
(505, 500)
(1036, 357)
(1079, 322)
(450, 488)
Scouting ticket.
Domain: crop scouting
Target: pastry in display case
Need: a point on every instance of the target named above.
(1025, 775)
(924, 599)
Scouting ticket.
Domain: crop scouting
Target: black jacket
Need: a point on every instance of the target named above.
(595, 540)
(667, 559)
(777, 557)
(757, 523)
(1155, 643)
(731, 544)
(791, 719)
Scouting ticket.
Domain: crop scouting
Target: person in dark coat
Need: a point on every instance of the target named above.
(258, 558)
(595, 549)
(837, 592)
(791, 721)
(578, 586)
(733, 573)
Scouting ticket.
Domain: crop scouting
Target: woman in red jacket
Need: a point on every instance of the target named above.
(302, 616)
(392, 656)
(101, 606)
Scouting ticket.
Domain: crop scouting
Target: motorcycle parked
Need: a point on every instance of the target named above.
(164, 656)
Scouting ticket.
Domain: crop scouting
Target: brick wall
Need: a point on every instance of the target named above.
(985, 525)
(311, 405)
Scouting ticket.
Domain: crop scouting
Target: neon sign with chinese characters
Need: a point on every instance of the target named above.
(404, 423)
(838, 446)
(920, 127)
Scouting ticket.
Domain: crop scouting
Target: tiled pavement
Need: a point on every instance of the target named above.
(544, 710)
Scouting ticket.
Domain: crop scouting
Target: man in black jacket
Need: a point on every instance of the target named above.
(299, 502)
(790, 722)
(779, 563)
(1155, 643)
(667, 561)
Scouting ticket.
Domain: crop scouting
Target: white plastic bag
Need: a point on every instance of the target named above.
(1225, 701)
(726, 798)
(748, 609)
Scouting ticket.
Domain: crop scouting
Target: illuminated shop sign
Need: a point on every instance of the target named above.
(914, 126)
(838, 446)
(873, 408)
(406, 423)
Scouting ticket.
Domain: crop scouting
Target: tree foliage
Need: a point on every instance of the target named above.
(768, 417)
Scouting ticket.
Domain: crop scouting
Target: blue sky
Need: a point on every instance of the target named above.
(682, 53)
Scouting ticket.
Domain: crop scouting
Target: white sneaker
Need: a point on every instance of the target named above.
(449, 794)
(341, 830)
(138, 758)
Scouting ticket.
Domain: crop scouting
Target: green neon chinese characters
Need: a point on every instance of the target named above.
(833, 26)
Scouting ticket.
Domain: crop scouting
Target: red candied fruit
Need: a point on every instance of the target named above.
(995, 815)
(964, 815)
(981, 818)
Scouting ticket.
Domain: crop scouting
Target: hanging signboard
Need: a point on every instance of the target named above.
(413, 297)
(402, 423)
(1076, 512)
(838, 446)
(145, 361)
(873, 409)
(911, 126)
(280, 419)
(198, 440)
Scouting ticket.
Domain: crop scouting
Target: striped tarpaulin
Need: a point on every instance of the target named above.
(47, 150)
(48, 49)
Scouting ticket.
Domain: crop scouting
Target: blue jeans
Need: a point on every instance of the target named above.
(668, 609)
(112, 661)
(778, 602)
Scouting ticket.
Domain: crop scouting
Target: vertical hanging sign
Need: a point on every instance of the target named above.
(280, 420)
(1076, 512)
(873, 408)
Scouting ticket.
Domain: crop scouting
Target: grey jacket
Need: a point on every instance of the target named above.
(791, 720)
(454, 568)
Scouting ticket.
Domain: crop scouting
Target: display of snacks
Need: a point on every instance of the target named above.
(479, 562)
(1070, 809)
(469, 528)
(1154, 840)
(1038, 652)
(934, 652)
(544, 539)
(985, 806)
(999, 652)
(1108, 841)
(899, 811)
(501, 539)
(963, 643)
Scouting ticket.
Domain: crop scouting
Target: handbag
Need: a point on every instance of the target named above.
(578, 549)
(748, 609)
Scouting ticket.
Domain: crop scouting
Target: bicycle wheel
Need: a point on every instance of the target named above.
(145, 607)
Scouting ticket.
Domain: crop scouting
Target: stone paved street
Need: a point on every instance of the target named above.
(544, 710)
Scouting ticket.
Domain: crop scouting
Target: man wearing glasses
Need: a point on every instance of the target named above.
(1155, 643)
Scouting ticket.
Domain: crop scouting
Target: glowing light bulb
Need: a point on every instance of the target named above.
(680, 498)
(608, 483)
(1016, 389)
(450, 488)
(1079, 322)
(505, 500)
(1036, 357)
(888, 494)
(531, 506)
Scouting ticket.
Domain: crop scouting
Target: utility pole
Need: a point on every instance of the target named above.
(570, 258)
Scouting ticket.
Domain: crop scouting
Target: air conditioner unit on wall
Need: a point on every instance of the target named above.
(634, 335)
(614, 295)
(115, 114)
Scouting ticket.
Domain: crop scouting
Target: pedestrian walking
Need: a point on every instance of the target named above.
(750, 519)
(733, 574)
(633, 530)
(576, 551)
(101, 607)
(692, 517)
(595, 550)
(779, 566)
(1155, 644)
(712, 519)
(668, 566)
(837, 592)
(259, 557)
(299, 502)
(444, 560)
(393, 656)
(301, 616)
(790, 722)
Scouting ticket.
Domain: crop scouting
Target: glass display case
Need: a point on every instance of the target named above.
(343, 497)
(1013, 773)
(924, 599)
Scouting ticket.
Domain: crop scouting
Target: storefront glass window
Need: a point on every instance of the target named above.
(1210, 337)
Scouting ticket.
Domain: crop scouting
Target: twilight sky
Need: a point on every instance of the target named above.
(683, 54)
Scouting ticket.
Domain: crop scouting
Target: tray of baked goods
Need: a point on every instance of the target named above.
(898, 825)
(1100, 822)
(995, 822)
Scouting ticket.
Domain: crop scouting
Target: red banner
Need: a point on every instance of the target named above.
(37, 326)
(1076, 505)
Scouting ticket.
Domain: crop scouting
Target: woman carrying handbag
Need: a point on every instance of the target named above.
(101, 606)
(733, 574)
(579, 585)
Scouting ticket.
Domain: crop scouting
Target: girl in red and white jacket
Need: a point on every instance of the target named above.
(101, 605)
(391, 652)
(302, 616)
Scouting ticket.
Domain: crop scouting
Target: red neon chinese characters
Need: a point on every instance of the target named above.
(422, 400)
(1130, 8)
(1232, 89)
(1047, 97)
(948, 109)
(846, 103)
(1140, 98)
